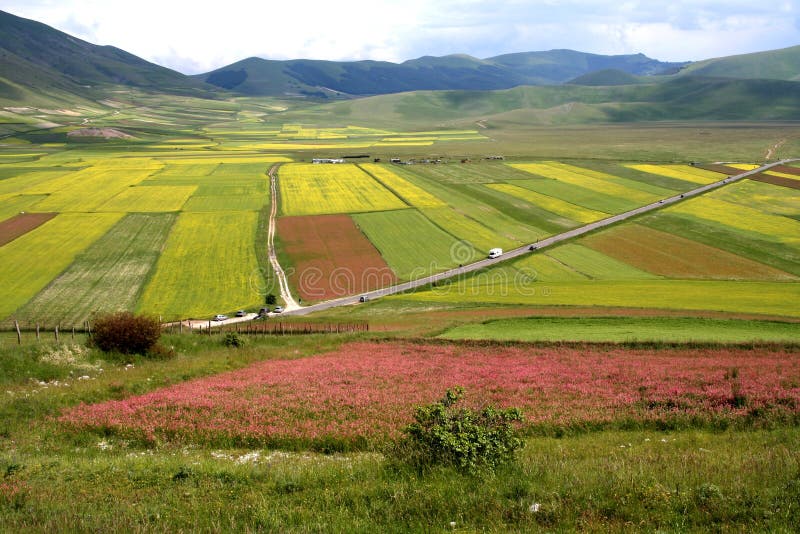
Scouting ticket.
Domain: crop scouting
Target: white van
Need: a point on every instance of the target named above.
(495, 252)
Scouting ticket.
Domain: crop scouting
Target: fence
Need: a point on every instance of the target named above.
(279, 328)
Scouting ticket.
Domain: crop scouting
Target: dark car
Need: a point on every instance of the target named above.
(241, 313)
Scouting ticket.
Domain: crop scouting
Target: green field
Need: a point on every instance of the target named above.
(769, 298)
(411, 244)
(107, 276)
(628, 329)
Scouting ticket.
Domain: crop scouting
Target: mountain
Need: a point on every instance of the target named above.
(678, 98)
(261, 77)
(783, 64)
(607, 77)
(36, 56)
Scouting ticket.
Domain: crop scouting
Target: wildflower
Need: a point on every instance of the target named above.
(534, 507)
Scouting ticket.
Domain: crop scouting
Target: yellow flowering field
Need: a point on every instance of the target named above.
(31, 261)
(414, 195)
(552, 204)
(680, 172)
(581, 177)
(152, 198)
(208, 266)
(309, 189)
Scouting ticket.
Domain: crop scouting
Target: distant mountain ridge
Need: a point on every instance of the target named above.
(42, 66)
(262, 77)
(34, 55)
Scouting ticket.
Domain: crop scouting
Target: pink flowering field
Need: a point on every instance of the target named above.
(365, 392)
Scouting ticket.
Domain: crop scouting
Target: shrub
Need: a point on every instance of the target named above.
(232, 339)
(126, 333)
(471, 442)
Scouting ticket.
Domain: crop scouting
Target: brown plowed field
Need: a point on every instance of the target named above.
(786, 169)
(777, 180)
(677, 257)
(716, 167)
(18, 225)
(331, 257)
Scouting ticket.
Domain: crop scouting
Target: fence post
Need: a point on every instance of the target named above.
(56, 333)
(37, 331)
(19, 334)
(73, 333)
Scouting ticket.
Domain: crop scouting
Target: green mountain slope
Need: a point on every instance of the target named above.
(783, 64)
(685, 98)
(45, 60)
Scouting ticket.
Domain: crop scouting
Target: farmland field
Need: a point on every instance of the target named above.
(107, 276)
(21, 224)
(411, 244)
(59, 240)
(677, 257)
(208, 266)
(681, 172)
(308, 189)
(331, 257)
(771, 298)
(626, 329)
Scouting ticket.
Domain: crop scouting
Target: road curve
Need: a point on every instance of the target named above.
(521, 251)
(289, 303)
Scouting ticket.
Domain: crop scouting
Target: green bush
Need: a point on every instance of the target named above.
(126, 333)
(232, 339)
(475, 443)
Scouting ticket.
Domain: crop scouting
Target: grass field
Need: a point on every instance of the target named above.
(59, 240)
(628, 329)
(308, 189)
(770, 298)
(411, 244)
(107, 276)
(208, 266)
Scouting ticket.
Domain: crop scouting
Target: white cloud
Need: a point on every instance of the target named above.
(197, 37)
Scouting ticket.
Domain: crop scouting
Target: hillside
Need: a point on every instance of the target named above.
(684, 98)
(781, 64)
(255, 76)
(39, 61)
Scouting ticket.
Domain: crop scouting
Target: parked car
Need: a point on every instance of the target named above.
(363, 298)
(220, 317)
(241, 313)
(263, 311)
(278, 309)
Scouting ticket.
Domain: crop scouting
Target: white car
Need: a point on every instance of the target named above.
(220, 317)
(277, 309)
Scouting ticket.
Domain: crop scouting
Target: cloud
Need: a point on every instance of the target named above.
(196, 37)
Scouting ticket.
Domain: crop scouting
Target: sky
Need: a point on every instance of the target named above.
(196, 36)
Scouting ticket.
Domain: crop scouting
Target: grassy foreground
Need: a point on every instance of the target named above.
(689, 479)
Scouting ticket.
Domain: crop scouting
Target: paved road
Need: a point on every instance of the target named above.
(521, 251)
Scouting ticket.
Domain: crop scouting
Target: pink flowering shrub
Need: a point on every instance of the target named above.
(365, 393)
